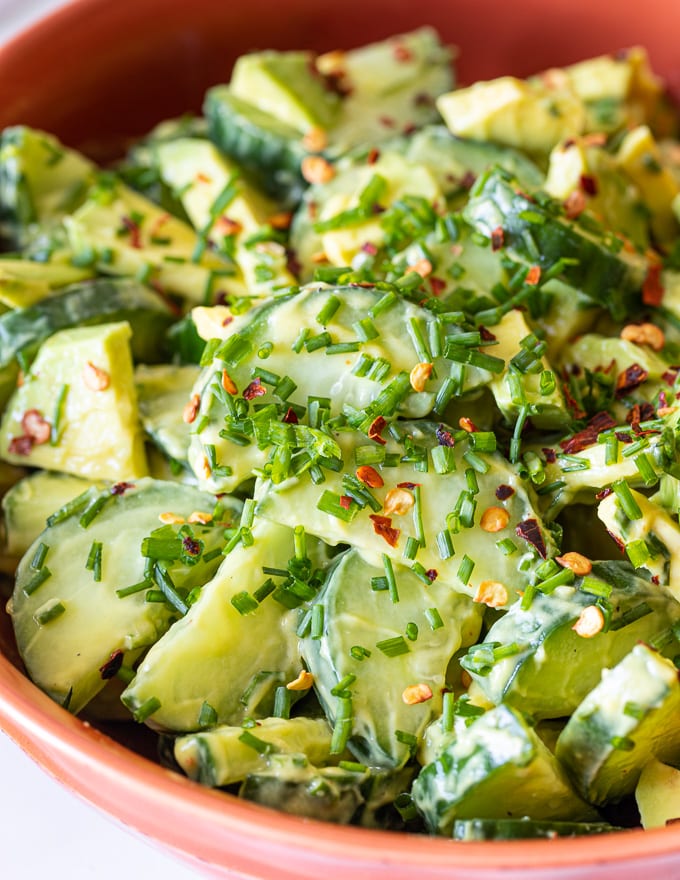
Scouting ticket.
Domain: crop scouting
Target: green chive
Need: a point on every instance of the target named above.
(94, 560)
(445, 544)
(627, 503)
(37, 580)
(39, 556)
(257, 744)
(153, 704)
(58, 415)
(329, 308)
(411, 631)
(244, 603)
(465, 569)
(282, 702)
(134, 588)
(393, 647)
(207, 717)
(637, 552)
(434, 618)
(358, 652)
(343, 725)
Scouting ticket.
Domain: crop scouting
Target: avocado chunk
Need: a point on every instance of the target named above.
(534, 659)
(76, 410)
(225, 754)
(363, 641)
(628, 718)
(497, 768)
(658, 794)
(163, 390)
(232, 650)
(75, 618)
(25, 282)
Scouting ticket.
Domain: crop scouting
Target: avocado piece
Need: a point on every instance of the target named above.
(497, 768)
(444, 505)
(76, 410)
(73, 629)
(40, 178)
(628, 718)
(201, 174)
(220, 654)
(26, 282)
(517, 113)
(224, 754)
(27, 505)
(641, 159)
(354, 614)
(122, 233)
(163, 391)
(658, 794)
(533, 659)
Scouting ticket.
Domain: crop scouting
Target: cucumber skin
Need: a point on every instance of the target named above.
(601, 274)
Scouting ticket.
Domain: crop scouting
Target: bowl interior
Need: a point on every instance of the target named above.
(96, 73)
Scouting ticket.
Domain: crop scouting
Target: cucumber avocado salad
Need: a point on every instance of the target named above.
(339, 439)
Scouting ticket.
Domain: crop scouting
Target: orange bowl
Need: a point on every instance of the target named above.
(97, 72)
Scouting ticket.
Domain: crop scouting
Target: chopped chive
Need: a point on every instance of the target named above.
(596, 587)
(352, 766)
(418, 517)
(94, 508)
(384, 304)
(443, 459)
(94, 560)
(342, 727)
(507, 546)
(547, 488)
(264, 590)
(134, 588)
(563, 577)
(331, 503)
(317, 626)
(301, 339)
(630, 616)
(328, 309)
(637, 552)
(448, 709)
(58, 416)
(168, 589)
(358, 652)
(627, 503)
(622, 743)
(257, 744)
(547, 383)
(340, 689)
(391, 580)
(282, 702)
(36, 581)
(379, 584)
(476, 461)
(393, 647)
(39, 556)
(646, 469)
(71, 508)
(462, 355)
(611, 450)
(343, 348)
(411, 631)
(465, 569)
(411, 548)
(148, 707)
(434, 618)
(244, 603)
(365, 330)
(445, 544)
(207, 717)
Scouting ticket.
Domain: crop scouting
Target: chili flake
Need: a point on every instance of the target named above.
(370, 477)
(36, 427)
(652, 289)
(416, 693)
(503, 492)
(190, 410)
(531, 532)
(376, 428)
(382, 525)
(533, 276)
(228, 384)
(255, 389)
(497, 238)
(630, 379)
(112, 666)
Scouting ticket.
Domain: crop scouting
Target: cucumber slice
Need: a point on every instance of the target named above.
(630, 717)
(80, 381)
(163, 391)
(72, 654)
(383, 724)
(548, 669)
(220, 655)
(497, 768)
(525, 829)
(97, 302)
(535, 233)
(25, 282)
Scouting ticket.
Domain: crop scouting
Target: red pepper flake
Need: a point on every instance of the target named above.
(121, 488)
(423, 99)
(497, 238)
(293, 265)
(369, 248)
(36, 426)
(468, 180)
(602, 421)
(227, 226)
(281, 221)
(382, 525)
(290, 417)
(550, 455)
(20, 445)
(112, 665)
(669, 377)
(486, 334)
(444, 437)
(375, 430)
(345, 502)
(432, 574)
(387, 121)
(655, 579)
(437, 285)
(641, 413)
(134, 231)
(408, 485)
(630, 379)
(572, 404)
(503, 492)
(623, 437)
(604, 493)
(531, 532)
(652, 289)
(588, 184)
(255, 389)
(663, 400)
(191, 546)
(402, 53)
(533, 276)
(370, 477)
(467, 425)
(615, 538)
(409, 128)
(373, 155)
(574, 204)
(228, 384)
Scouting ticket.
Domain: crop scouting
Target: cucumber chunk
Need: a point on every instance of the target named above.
(354, 615)
(163, 391)
(72, 655)
(497, 768)
(548, 669)
(629, 717)
(225, 754)
(525, 829)
(658, 794)
(220, 654)
(80, 381)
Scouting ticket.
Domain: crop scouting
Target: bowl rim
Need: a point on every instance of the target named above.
(57, 741)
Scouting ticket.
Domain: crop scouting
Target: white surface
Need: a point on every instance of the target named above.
(45, 831)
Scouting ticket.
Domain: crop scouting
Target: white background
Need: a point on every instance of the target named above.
(46, 833)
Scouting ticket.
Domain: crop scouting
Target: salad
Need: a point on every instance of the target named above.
(338, 438)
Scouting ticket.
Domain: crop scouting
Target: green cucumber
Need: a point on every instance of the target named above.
(162, 392)
(525, 829)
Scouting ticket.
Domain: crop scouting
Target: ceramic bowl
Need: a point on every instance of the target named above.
(97, 72)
